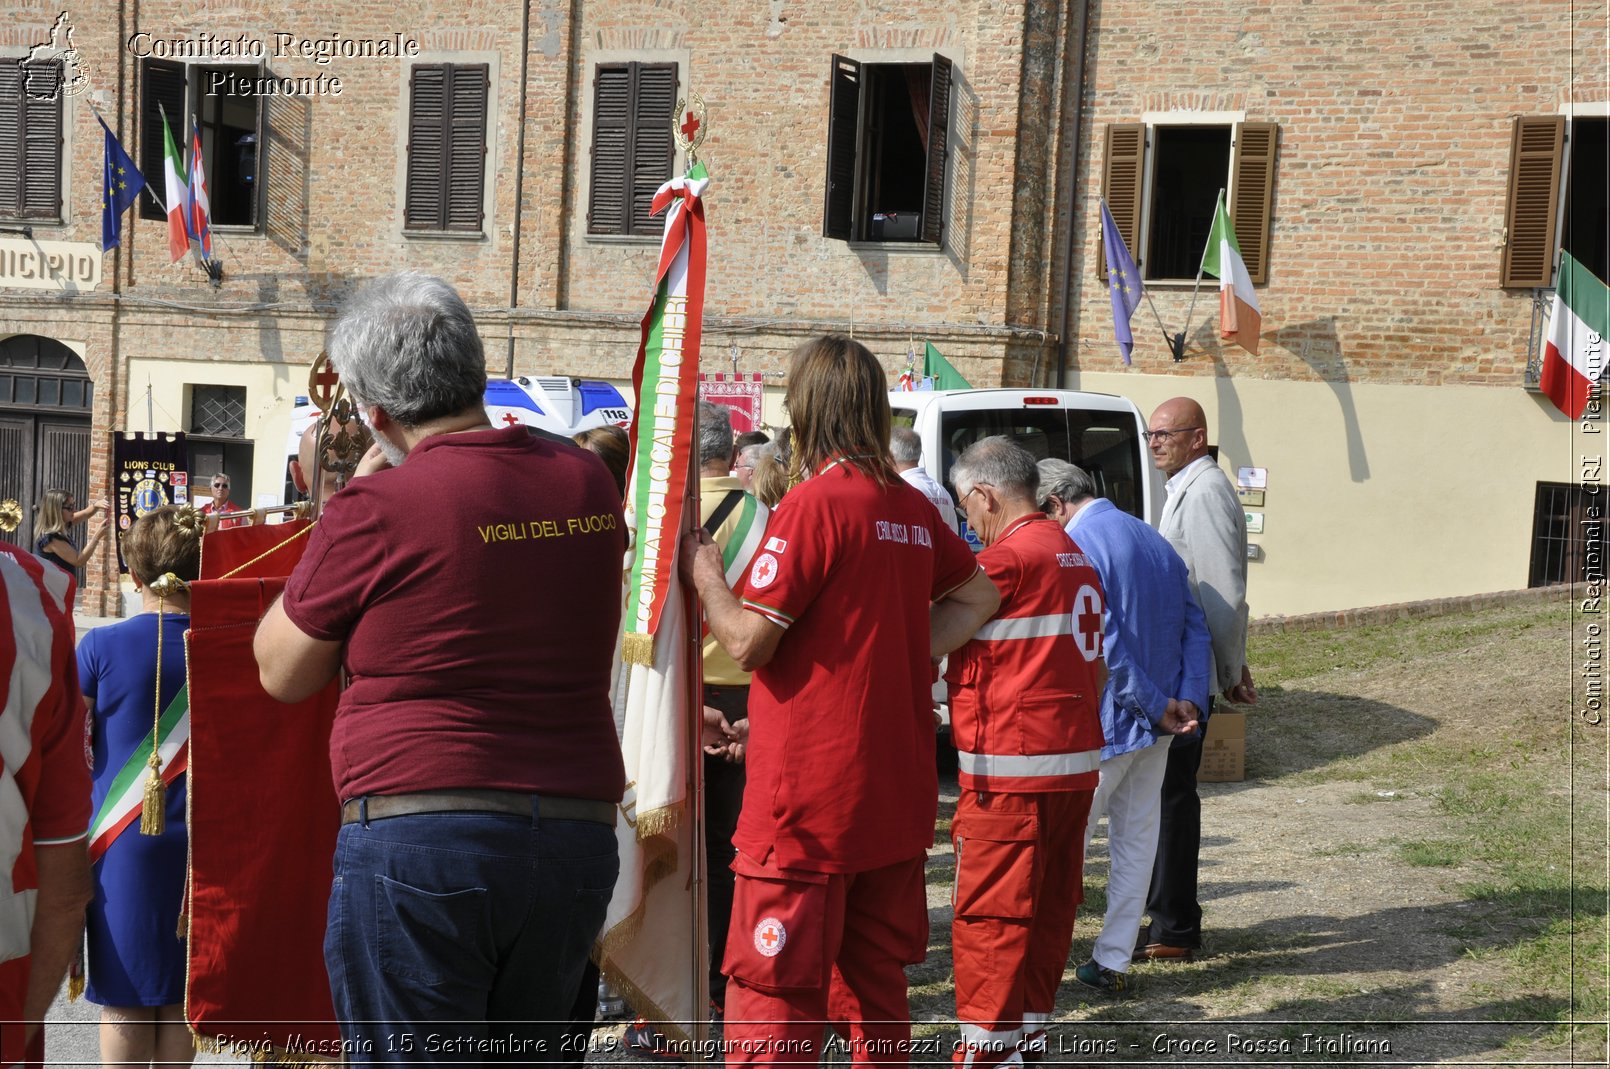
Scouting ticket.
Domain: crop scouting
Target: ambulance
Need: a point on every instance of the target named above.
(1101, 433)
(560, 404)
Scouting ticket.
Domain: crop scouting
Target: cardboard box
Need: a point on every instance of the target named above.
(1224, 751)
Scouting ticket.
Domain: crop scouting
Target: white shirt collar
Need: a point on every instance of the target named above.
(1178, 479)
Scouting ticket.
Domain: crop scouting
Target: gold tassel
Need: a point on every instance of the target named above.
(77, 971)
(638, 649)
(154, 806)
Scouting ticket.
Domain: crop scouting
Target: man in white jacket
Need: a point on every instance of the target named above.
(1203, 520)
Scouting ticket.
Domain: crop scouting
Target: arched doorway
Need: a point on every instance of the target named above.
(45, 400)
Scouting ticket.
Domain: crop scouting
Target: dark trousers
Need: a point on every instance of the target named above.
(454, 932)
(723, 799)
(1176, 916)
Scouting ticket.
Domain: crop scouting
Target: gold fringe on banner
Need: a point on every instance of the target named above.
(660, 821)
(276, 1056)
(638, 648)
(657, 868)
(646, 1007)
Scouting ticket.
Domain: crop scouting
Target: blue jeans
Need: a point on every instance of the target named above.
(460, 937)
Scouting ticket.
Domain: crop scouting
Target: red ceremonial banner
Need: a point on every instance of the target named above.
(263, 821)
(743, 394)
(269, 550)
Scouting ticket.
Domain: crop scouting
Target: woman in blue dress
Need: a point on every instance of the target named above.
(136, 953)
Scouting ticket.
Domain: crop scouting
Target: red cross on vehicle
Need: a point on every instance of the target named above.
(510, 418)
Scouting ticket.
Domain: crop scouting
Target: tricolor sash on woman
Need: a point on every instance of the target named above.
(666, 376)
(121, 806)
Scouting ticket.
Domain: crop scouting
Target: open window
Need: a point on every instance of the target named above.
(1161, 182)
(888, 139)
(1557, 198)
(632, 154)
(222, 103)
(30, 139)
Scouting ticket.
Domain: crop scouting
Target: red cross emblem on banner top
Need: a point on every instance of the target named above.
(690, 125)
(322, 383)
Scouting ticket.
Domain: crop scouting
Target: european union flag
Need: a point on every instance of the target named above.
(1123, 279)
(123, 182)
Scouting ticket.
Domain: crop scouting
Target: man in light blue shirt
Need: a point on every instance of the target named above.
(1159, 657)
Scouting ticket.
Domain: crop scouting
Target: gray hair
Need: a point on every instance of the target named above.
(905, 445)
(406, 343)
(1067, 481)
(999, 462)
(715, 433)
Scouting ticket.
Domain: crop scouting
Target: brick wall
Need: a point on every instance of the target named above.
(1395, 123)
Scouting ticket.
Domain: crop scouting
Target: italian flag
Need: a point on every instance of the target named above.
(667, 380)
(178, 195)
(1573, 358)
(1239, 318)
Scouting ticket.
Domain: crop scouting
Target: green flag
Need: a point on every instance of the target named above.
(938, 368)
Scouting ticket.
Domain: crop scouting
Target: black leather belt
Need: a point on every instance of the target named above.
(381, 806)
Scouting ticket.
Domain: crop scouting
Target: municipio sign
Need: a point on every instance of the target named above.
(64, 266)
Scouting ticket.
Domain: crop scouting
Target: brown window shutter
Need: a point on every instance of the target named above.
(1120, 188)
(11, 148)
(468, 86)
(164, 84)
(425, 188)
(1252, 169)
(42, 140)
(1532, 204)
(612, 121)
(843, 133)
(933, 190)
(652, 147)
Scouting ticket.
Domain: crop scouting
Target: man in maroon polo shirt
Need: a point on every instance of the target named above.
(474, 747)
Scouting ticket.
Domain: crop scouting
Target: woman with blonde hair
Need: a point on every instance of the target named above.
(771, 474)
(136, 952)
(57, 513)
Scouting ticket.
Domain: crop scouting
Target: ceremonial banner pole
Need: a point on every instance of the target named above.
(653, 946)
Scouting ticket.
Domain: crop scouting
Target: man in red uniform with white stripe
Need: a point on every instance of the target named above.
(838, 813)
(44, 799)
(1025, 704)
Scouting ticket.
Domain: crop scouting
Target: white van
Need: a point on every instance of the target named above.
(1099, 432)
